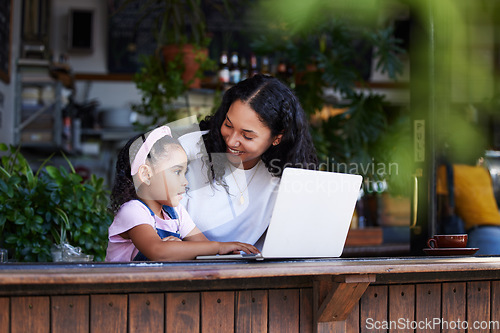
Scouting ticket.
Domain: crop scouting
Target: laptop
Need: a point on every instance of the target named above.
(311, 216)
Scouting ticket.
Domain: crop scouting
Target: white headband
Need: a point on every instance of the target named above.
(142, 153)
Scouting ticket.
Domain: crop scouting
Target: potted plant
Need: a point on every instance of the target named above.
(50, 206)
(179, 28)
(160, 84)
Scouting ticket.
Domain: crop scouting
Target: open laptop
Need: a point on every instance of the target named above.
(311, 217)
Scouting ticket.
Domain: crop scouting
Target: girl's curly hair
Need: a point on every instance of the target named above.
(123, 186)
(279, 109)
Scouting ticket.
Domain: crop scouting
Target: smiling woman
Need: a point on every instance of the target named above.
(260, 122)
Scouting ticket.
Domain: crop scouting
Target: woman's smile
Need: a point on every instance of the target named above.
(245, 135)
(234, 151)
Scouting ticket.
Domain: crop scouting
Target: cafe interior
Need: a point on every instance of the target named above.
(397, 91)
(393, 91)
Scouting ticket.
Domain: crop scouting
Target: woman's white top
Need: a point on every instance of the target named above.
(223, 216)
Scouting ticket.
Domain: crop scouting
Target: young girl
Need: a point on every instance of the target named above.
(149, 223)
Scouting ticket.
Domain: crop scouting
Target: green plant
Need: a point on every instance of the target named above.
(335, 54)
(50, 206)
(160, 84)
(160, 80)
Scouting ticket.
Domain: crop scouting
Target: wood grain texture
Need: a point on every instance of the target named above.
(4, 314)
(476, 268)
(321, 288)
(284, 310)
(454, 299)
(478, 306)
(108, 313)
(182, 312)
(306, 311)
(352, 321)
(427, 306)
(30, 314)
(401, 308)
(340, 300)
(146, 312)
(251, 311)
(373, 309)
(217, 311)
(495, 305)
(69, 314)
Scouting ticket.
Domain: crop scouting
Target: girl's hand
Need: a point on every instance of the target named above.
(235, 247)
(171, 239)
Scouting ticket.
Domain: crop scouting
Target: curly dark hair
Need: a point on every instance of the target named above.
(123, 185)
(279, 109)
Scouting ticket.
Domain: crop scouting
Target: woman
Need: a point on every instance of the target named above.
(238, 158)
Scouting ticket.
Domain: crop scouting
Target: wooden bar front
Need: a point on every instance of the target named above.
(322, 295)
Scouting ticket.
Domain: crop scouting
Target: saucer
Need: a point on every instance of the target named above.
(450, 251)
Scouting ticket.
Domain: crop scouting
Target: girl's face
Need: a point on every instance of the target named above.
(245, 135)
(169, 182)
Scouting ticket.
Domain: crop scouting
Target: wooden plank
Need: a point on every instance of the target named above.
(364, 237)
(108, 313)
(103, 77)
(428, 307)
(30, 314)
(401, 308)
(373, 309)
(495, 305)
(306, 310)
(146, 312)
(4, 314)
(217, 311)
(251, 311)
(69, 314)
(352, 321)
(454, 299)
(340, 300)
(284, 310)
(331, 326)
(478, 306)
(182, 312)
(321, 289)
(336, 299)
(88, 279)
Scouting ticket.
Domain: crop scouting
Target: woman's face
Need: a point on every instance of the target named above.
(245, 135)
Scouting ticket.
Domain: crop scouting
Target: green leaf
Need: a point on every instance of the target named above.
(21, 220)
(4, 173)
(62, 214)
(11, 239)
(4, 187)
(53, 172)
(69, 163)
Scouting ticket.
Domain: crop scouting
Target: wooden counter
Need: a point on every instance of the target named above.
(321, 295)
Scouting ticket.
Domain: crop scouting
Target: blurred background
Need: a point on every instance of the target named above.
(392, 87)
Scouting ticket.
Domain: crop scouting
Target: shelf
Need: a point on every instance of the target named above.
(211, 86)
(38, 116)
(103, 77)
(110, 134)
(364, 237)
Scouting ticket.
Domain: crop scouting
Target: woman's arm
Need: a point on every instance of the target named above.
(150, 244)
(195, 235)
